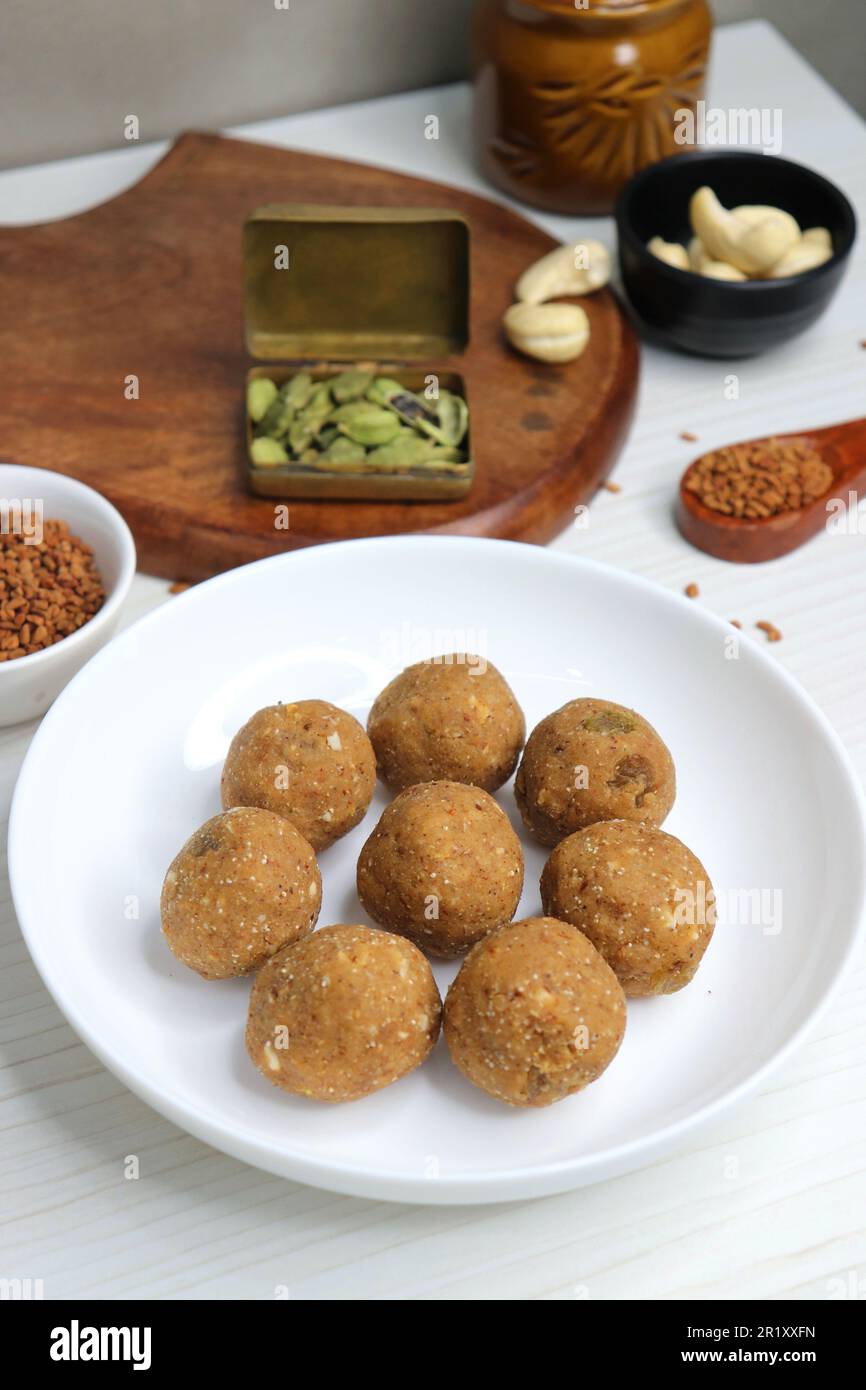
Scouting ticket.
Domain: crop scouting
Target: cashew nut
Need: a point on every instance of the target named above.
(819, 236)
(697, 253)
(744, 243)
(813, 249)
(753, 212)
(752, 246)
(806, 255)
(580, 267)
(702, 263)
(721, 270)
(670, 252)
(549, 332)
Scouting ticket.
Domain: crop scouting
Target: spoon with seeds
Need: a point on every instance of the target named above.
(761, 499)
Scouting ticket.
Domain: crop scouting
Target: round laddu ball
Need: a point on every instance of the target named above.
(243, 886)
(343, 1014)
(534, 1014)
(452, 719)
(643, 899)
(309, 762)
(593, 761)
(443, 867)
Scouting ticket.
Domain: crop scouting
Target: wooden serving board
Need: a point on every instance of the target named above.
(150, 285)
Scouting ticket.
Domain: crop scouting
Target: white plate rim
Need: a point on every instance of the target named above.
(384, 1184)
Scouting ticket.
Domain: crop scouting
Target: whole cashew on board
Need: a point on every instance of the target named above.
(553, 331)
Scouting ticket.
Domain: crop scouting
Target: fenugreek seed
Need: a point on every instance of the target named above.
(760, 479)
(49, 590)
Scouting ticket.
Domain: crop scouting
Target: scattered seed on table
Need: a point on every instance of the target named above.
(773, 633)
(735, 622)
(611, 487)
(178, 587)
(689, 437)
(692, 591)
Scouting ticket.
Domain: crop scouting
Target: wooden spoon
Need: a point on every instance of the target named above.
(748, 541)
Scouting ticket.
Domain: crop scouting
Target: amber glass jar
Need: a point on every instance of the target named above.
(573, 96)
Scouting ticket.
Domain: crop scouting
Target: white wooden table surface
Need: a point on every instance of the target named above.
(770, 1203)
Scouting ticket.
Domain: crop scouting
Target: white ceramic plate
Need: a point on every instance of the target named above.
(127, 764)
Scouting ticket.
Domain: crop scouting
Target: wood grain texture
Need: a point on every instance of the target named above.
(150, 284)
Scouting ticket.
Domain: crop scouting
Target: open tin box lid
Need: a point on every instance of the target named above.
(353, 283)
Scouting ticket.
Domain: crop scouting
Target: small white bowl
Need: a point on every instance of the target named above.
(30, 684)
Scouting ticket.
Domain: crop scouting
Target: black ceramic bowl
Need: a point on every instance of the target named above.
(720, 318)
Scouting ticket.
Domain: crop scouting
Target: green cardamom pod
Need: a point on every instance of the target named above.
(431, 432)
(307, 423)
(366, 423)
(453, 415)
(298, 390)
(261, 392)
(452, 420)
(350, 385)
(408, 451)
(343, 450)
(448, 453)
(277, 418)
(266, 452)
(293, 396)
(382, 389)
(411, 409)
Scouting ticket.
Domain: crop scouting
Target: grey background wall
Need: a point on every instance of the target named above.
(71, 73)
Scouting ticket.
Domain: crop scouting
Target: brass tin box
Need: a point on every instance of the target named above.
(382, 288)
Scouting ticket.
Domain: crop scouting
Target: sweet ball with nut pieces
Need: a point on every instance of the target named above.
(534, 1014)
(309, 762)
(451, 719)
(443, 867)
(243, 886)
(343, 1014)
(593, 760)
(640, 896)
